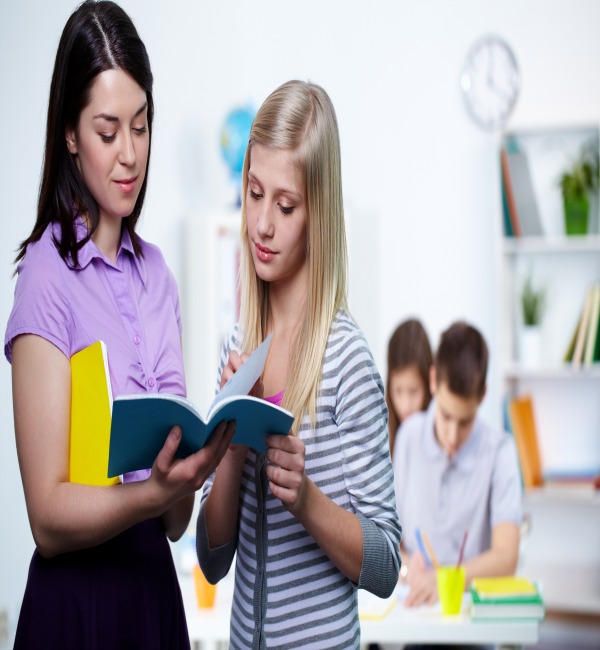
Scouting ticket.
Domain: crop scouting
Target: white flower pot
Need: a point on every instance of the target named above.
(530, 345)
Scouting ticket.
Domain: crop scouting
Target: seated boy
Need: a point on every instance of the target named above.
(453, 472)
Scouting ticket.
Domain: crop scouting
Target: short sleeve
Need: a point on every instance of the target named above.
(506, 485)
(40, 306)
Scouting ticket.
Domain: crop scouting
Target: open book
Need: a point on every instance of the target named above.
(141, 423)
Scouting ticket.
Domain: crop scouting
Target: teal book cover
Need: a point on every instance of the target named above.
(141, 423)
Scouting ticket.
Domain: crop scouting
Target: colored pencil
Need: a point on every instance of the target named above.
(462, 548)
(432, 555)
(422, 547)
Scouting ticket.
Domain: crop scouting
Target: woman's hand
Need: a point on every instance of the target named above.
(178, 477)
(174, 481)
(285, 471)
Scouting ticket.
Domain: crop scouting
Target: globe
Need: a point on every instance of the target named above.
(234, 141)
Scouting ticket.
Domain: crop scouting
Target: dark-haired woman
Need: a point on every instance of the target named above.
(102, 574)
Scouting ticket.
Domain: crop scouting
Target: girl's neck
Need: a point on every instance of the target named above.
(107, 237)
(287, 306)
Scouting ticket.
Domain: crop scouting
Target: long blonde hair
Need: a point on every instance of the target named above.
(299, 117)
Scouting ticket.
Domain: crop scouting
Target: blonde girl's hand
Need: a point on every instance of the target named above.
(285, 470)
(234, 363)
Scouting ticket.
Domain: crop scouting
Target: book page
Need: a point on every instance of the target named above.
(242, 381)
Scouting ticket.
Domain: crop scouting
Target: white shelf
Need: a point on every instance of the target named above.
(549, 245)
(573, 496)
(561, 548)
(551, 372)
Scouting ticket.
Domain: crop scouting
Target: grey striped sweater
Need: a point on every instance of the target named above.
(287, 593)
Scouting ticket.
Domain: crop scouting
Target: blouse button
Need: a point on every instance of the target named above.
(137, 340)
(151, 382)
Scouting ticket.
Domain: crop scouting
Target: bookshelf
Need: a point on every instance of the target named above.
(565, 398)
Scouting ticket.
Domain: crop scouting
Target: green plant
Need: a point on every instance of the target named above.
(583, 176)
(532, 302)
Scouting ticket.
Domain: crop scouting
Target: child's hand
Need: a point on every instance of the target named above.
(422, 582)
(416, 567)
(285, 470)
(423, 589)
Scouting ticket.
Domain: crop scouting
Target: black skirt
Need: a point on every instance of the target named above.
(121, 594)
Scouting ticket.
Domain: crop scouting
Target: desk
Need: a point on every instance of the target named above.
(209, 629)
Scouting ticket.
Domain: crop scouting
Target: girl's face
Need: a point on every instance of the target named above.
(111, 143)
(407, 392)
(276, 214)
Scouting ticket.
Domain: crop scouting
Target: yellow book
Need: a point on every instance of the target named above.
(504, 587)
(91, 408)
(373, 608)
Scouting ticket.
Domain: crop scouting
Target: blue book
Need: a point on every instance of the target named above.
(141, 423)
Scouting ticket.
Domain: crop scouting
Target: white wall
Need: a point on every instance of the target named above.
(418, 175)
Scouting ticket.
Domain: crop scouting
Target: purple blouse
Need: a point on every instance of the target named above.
(132, 305)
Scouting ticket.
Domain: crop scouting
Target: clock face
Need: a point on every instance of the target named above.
(490, 82)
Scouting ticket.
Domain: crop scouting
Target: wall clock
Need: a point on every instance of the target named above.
(490, 82)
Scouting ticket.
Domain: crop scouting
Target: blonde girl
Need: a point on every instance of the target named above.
(314, 518)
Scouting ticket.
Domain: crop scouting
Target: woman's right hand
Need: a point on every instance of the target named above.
(177, 477)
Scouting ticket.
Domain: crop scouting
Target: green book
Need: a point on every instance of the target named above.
(524, 606)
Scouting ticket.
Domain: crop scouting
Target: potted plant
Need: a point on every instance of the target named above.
(532, 303)
(577, 184)
(532, 308)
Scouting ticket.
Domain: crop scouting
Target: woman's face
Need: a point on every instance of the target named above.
(407, 392)
(276, 214)
(111, 143)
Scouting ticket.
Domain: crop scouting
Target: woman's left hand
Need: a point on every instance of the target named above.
(285, 470)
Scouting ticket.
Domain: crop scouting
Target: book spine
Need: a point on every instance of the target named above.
(510, 198)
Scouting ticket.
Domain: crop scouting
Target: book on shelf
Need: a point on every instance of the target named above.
(141, 423)
(568, 356)
(507, 223)
(585, 481)
(522, 202)
(91, 403)
(584, 346)
(523, 427)
(508, 195)
(592, 331)
(505, 597)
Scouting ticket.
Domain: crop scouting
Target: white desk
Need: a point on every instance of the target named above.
(209, 628)
(427, 625)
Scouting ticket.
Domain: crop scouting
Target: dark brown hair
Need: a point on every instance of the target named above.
(98, 36)
(461, 360)
(408, 346)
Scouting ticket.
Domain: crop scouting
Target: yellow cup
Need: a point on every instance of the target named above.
(451, 584)
(205, 592)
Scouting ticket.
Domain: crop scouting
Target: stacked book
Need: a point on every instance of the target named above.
(584, 345)
(506, 597)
